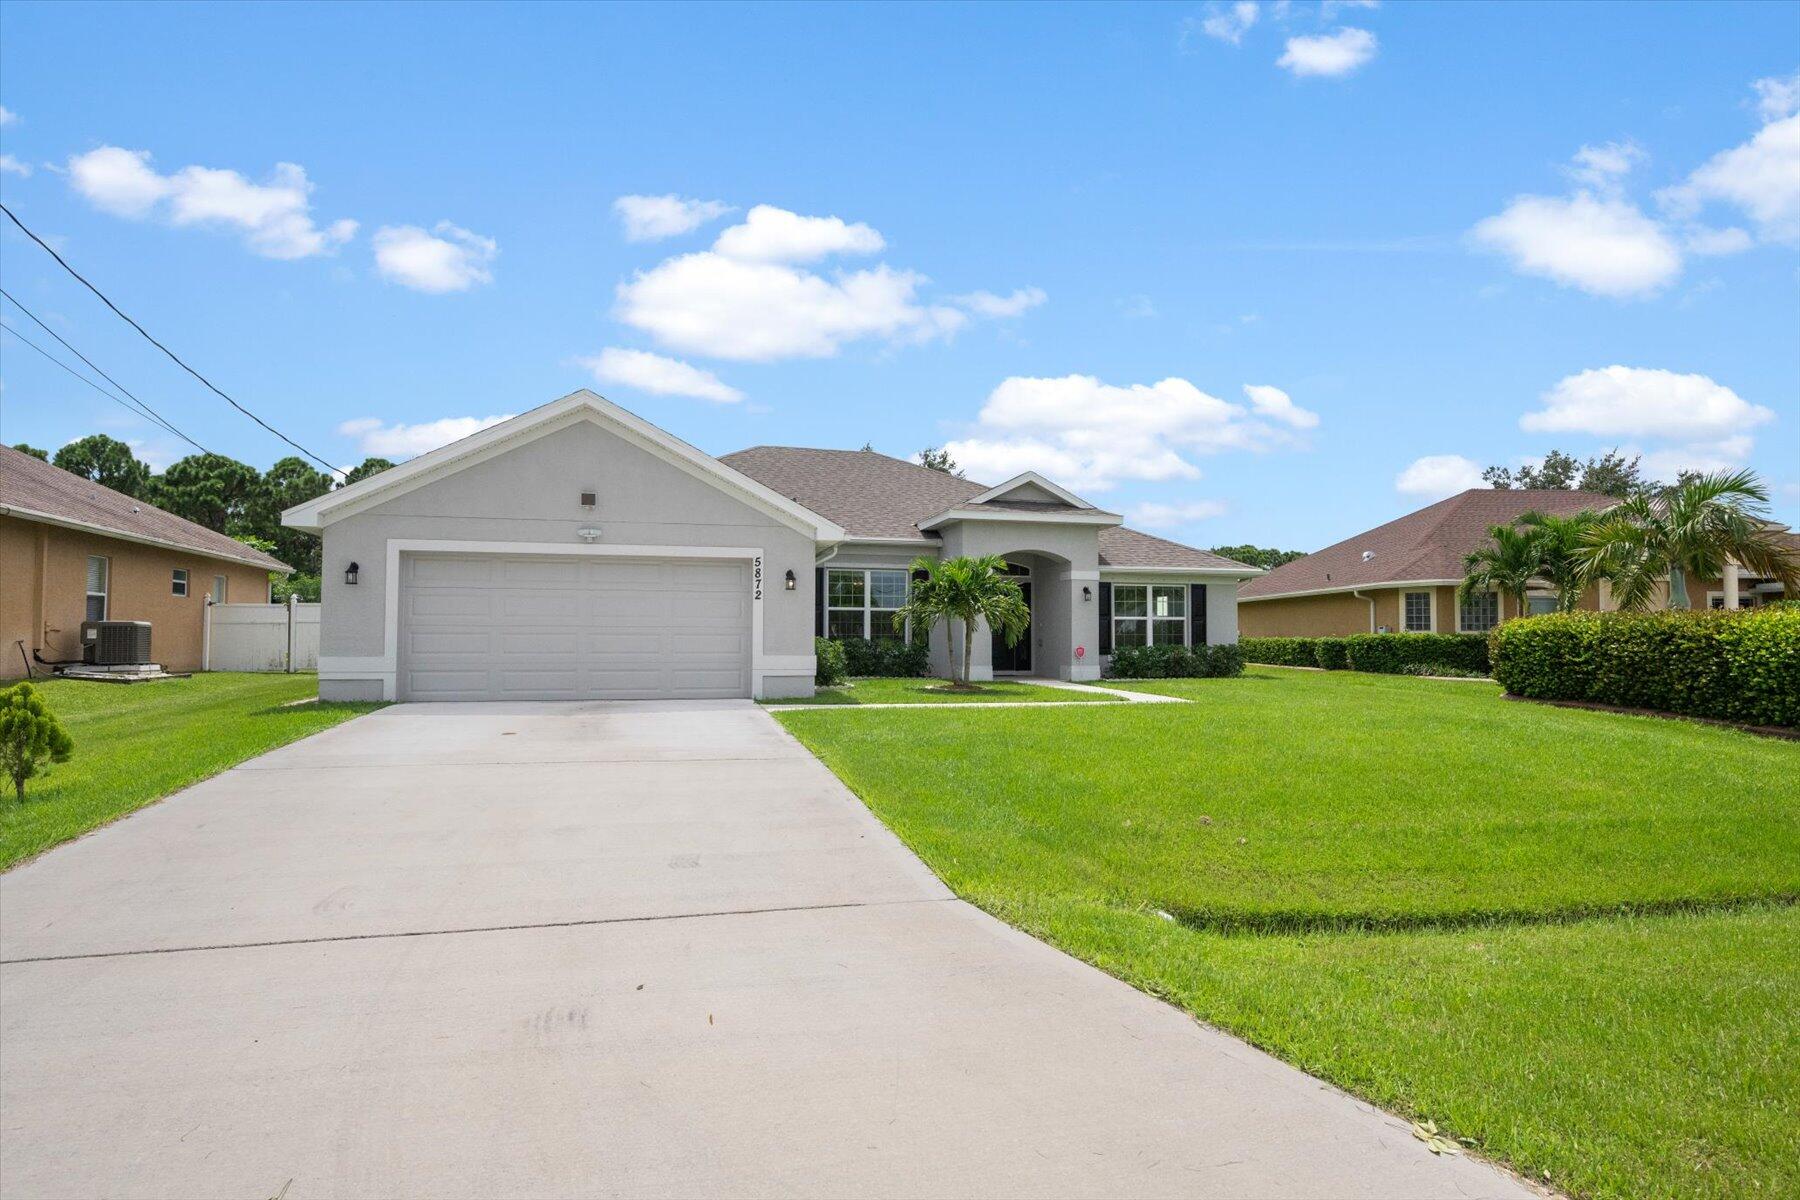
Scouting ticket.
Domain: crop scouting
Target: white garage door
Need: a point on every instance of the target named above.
(487, 627)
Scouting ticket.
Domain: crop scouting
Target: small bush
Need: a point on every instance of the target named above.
(30, 736)
(887, 658)
(1176, 662)
(1331, 654)
(829, 667)
(1734, 666)
(1382, 653)
(1282, 651)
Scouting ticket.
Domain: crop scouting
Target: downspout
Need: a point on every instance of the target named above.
(1358, 594)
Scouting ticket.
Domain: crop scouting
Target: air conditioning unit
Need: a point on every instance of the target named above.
(115, 643)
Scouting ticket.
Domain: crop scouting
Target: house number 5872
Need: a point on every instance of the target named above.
(756, 591)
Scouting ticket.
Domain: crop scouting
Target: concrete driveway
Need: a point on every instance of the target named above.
(649, 949)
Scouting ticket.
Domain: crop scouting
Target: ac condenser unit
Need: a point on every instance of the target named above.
(115, 643)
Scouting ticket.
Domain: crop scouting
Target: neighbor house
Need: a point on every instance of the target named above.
(73, 551)
(1403, 577)
(579, 552)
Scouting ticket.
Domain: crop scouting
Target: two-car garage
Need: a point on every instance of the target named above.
(531, 627)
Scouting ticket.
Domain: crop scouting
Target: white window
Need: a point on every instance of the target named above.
(1478, 613)
(1416, 612)
(861, 604)
(221, 587)
(1149, 614)
(99, 570)
(178, 582)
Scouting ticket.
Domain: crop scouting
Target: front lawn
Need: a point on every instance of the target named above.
(1413, 888)
(136, 743)
(937, 691)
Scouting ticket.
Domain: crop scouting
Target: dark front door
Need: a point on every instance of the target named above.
(1016, 657)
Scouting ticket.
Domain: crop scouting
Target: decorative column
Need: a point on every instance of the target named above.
(1731, 584)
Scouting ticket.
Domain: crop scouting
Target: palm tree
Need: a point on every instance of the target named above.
(1560, 559)
(1691, 528)
(1507, 564)
(969, 590)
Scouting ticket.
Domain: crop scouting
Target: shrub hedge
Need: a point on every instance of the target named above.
(1175, 662)
(1734, 666)
(1381, 653)
(889, 658)
(829, 667)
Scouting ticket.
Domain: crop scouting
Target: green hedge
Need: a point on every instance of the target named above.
(829, 667)
(1175, 662)
(1735, 666)
(889, 658)
(1381, 653)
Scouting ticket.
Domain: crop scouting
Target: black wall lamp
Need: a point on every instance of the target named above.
(788, 581)
(350, 574)
(1087, 593)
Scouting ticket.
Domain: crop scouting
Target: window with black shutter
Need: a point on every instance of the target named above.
(1106, 618)
(1197, 605)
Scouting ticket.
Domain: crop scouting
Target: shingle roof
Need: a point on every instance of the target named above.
(34, 485)
(874, 496)
(1423, 545)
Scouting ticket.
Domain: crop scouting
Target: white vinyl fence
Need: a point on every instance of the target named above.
(261, 637)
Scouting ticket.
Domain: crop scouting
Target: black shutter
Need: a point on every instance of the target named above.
(1106, 618)
(1197, 605)
(818, 601)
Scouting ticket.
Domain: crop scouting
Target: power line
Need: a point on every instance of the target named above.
(77, 374)
(212, 387)
(144, 408)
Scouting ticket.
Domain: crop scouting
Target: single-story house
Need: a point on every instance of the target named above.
(579, 552)
(73, 551)
(1402, 577)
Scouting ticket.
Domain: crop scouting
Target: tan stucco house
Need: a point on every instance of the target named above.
(1402, 577)
(73, 551)
(579, 552)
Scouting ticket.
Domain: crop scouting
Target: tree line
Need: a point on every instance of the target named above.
(219, 492)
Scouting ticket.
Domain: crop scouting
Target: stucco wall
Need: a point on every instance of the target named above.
(1066, 558)
(532, 494)
(139, 590)
(1335, 614)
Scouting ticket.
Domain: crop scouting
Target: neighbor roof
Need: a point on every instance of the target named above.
(33, 490)
(1427, 546)
(875, 496)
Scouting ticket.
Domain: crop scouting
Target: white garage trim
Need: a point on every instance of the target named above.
(385, 667)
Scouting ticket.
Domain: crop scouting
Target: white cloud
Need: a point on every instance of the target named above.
(1227, 24)
(1602, 245)
(12, 166)
(651, 218)
(1329, 9)
(1621, 401)
(1329, 55)
(1137, 308)
(1171, 516)
(453, 261)
(1277, 405)
(1438, 475)
(987, 304)
(770, 234)
(1712, 242)
(275, 218)
(1777, 98)
(1089, 434)
(7, 115)
(1604, 167)
(659, 376)
(1760, 177)
(404, 441)
(1726, 454)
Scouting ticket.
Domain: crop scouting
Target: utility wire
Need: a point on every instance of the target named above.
(77, 374)
(212, 387)
(144, 408)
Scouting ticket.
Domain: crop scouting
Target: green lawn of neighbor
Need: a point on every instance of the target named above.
(136, 743)
(1569, 936)
(937, 691)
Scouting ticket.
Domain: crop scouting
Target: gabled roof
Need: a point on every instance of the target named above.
(576, 407)
(874, 496)
(33, 490)
(1029, 482)
(1427, 546)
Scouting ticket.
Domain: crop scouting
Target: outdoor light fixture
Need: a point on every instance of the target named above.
(1087, 593)
(350, 574)
(789, 582)
(588, 534)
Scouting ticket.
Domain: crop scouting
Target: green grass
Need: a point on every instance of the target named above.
(936, 691)
(136, 743)
(1568, 935)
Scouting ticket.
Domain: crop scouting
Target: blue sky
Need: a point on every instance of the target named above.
(1268, 273)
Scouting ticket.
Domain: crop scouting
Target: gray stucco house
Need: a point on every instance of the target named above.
(578, 552)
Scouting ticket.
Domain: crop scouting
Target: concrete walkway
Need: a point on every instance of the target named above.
(599, 950)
